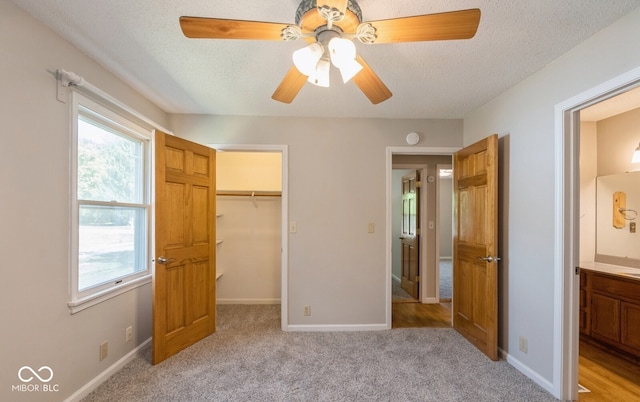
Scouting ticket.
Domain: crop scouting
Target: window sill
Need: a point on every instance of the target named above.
(78, 305)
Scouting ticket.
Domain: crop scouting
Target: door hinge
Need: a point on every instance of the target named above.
(577, 270)
(418, 232)
(417, 279)
(418, 184)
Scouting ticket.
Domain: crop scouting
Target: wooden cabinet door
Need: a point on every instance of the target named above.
(585, 301)
(630, 327)
(605, 317)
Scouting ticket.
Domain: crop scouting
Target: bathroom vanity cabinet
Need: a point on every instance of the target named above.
(610, 309)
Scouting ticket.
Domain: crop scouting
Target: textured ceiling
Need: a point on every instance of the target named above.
(141, 42)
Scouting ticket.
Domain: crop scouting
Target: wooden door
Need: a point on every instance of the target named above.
(475, 246)
(184, 277)
(410, 234)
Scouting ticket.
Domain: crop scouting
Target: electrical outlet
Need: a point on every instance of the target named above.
(371, 228)
(128, 333)
(524, 345)
(104, 350)
(307, 309)
(293, 227)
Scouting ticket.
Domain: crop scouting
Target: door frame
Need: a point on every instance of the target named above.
(567, 229)
(400, 150)
(284, 261)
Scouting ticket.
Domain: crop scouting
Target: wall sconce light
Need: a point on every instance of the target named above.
(636, 155)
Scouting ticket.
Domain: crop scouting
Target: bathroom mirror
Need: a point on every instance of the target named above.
(617, 206)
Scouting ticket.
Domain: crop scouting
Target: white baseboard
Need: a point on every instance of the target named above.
(396, 278)
(105, 375)
(248, 301)
(430, 300)
(335, 328)
(524, 369)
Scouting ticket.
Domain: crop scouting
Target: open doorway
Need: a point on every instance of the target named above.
(571, 248)
(608, 137)
(444, 232)
(252, 201)
(425, 162)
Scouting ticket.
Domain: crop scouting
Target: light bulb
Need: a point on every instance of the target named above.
(636, 155)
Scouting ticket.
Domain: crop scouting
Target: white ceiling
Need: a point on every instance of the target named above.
(141, 42)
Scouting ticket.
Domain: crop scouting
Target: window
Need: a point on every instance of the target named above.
(110, 203)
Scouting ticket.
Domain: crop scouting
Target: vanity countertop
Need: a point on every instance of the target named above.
(624, 272)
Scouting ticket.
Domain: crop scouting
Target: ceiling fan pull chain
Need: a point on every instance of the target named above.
(331, 15)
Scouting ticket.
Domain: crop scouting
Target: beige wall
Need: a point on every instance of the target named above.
(618, 137)
(337, 186)
(524, 118)
(37, 328)
(588, 174)
(249, 171)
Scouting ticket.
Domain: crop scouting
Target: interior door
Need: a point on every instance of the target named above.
(475, 246)
(184, 277)
(410, 234)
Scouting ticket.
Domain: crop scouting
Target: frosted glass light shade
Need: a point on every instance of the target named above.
(349, 70)
(307, 58)
(341, 51)
(636, 155)
(320, 76)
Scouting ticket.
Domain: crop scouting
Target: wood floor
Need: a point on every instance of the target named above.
(412, 315)
(608, 377)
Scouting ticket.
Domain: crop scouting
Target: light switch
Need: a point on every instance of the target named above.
(293, 227)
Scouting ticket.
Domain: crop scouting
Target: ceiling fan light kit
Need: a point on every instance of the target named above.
(330, 29)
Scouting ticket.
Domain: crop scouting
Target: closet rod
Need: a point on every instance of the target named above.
(251, 193)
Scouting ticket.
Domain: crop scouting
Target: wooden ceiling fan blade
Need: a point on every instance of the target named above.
(218, 28)
(290, 86)
(370, 84)
(443, 26)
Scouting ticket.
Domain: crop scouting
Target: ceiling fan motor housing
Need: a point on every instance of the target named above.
(308, 5)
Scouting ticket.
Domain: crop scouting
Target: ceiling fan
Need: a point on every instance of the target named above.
(330, 29)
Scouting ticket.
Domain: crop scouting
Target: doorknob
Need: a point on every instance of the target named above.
(162, 260)
(489, 259)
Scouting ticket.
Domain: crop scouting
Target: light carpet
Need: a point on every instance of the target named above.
(250, 359)
(446, 279)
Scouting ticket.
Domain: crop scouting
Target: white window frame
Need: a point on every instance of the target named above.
(80, 300)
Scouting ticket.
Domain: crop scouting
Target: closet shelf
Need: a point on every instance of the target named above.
(250, 193)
